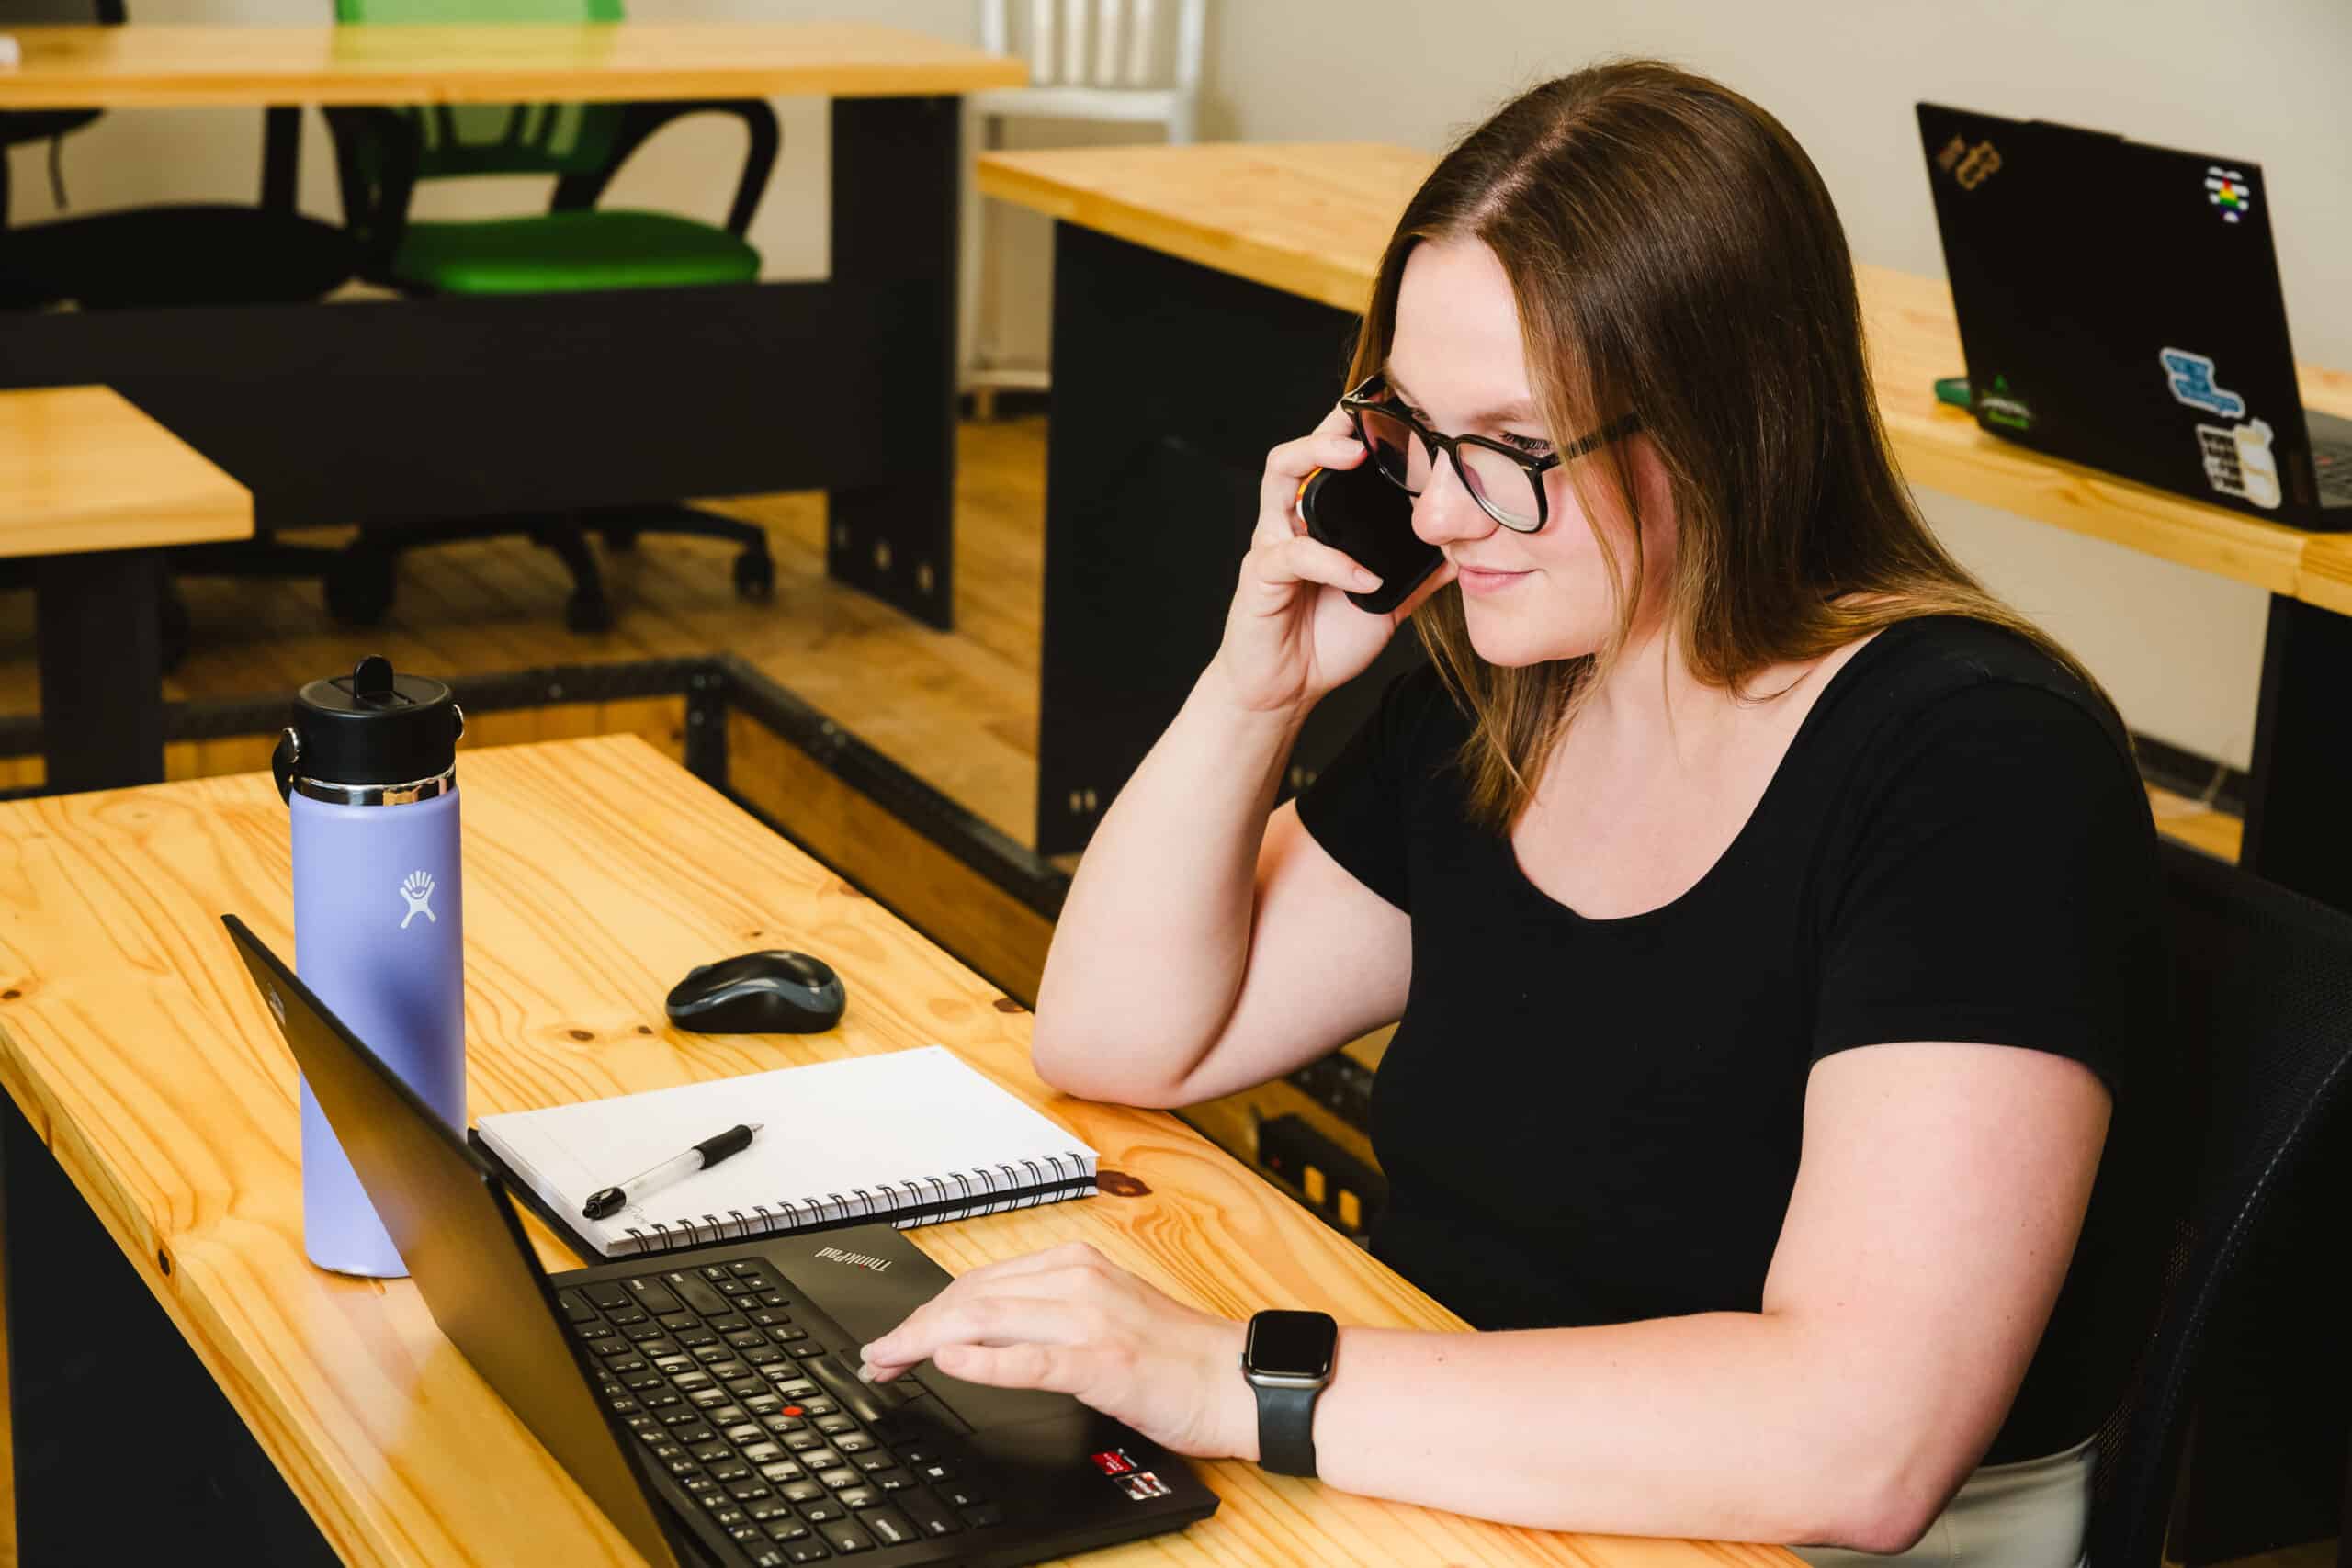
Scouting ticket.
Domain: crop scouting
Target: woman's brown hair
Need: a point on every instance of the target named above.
(1675, 254)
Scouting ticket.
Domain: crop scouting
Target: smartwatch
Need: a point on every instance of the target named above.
(1287, 1360)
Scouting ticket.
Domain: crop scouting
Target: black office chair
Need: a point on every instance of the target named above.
(2263, 996)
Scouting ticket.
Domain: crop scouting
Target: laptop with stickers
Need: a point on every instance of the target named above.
(2119, 307)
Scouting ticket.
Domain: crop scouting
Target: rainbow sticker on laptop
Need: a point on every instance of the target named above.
(2228, 189)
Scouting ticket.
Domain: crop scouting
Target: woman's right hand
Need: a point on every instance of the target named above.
(1291, 635)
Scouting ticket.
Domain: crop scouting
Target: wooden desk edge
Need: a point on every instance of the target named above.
(200, 504)
(1334, 283)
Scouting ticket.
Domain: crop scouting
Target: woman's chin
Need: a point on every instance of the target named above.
(1511, 641)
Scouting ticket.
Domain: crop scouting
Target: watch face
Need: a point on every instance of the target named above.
(1292, 1343)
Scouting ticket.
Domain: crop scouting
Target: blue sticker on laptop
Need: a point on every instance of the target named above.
(2190, 377)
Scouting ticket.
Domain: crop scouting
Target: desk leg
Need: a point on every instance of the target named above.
(1171, 383)
(897, 180)
(102, 669)
(124, 1448)
(2296, 828)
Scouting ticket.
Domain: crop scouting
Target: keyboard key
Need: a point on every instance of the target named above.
(629, 1315)
(804, 1441)
(804, 1348)
(800, 1491)
(695, 1338)
(761, 1453)
(696, 1432)
(856, 1442)
(768, 1317)
(644, 1333)
(746, 1387)
(820, 1407)
(734, 1469)
(654, 1350)
(964, 1494)
(696, 1293)
(936, 1469)
(644, 1380)
(713, 1271)
(727, 1515)
(857, 1496)
(576, 1307)
(930, 1515)
(762, 1356)
(683, 1466)
(798, 1388)
(746, 1432)
(674, 1363)
(981, 1515)
(708, 1398)
(780, 1423)
(681, 1416)
(785, 1527)
(845, 1538)
(839, 1479)
(820, 1458)
(728, 1415)
(653, 1295)
(887, 1526)
(823, 1512)
(608, 1295)
(744, 1270)
(763, 1509)
(678, 1322)
(700, 1485)
(778, 1471)
(730, 1321)
(775, 1299)
(733, 1288)
(714, 1354)
(873, 1463)
(801, 1551)
(687, 1381)
(749, 1491)
(892, 1480)
(747, 1340)
(748, 1533)
(791, 1334)
(711, 1453)
(834, 1426)
(662, 1399)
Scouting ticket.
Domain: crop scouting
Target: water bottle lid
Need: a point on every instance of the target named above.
(372, 727)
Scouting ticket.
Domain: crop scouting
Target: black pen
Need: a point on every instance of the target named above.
(702, 1156)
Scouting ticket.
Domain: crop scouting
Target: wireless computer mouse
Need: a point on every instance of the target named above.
(759, 993)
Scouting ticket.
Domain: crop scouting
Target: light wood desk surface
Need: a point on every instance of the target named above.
(1312, 219)
(597, 871)
(141, 65)
(81, 468)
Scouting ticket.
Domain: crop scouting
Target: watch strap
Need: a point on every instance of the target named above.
(1286, 1429)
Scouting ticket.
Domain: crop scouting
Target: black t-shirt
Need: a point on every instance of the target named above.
(1599, 1121)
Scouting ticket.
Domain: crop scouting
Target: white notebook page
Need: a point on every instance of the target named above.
(863, 1137)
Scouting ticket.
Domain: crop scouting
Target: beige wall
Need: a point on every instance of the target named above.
(2256, 78)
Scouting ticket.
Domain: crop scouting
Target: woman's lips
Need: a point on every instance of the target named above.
(1482, 580)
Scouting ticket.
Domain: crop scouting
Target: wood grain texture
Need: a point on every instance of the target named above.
(596, 872)
(149, 66)
(1314, 219)
(82, 468)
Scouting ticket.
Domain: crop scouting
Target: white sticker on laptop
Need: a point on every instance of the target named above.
(2238, 461)
(2228, 191)
(2189, 377)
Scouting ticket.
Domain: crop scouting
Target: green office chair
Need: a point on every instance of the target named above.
(381, 155)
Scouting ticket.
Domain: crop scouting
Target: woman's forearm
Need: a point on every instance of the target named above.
(1149, 953)
(1721, 1425)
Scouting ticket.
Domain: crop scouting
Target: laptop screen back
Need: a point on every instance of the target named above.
(2119, 305)
(463, 1245)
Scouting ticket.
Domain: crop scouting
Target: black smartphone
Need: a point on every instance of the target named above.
(1361, 514)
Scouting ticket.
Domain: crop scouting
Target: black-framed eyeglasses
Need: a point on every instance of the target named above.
(1507, 483)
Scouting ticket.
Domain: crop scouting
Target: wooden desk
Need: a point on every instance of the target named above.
(1265, 230)
(471, 407)
(145, 66)
(96, 491)
(132, 1041)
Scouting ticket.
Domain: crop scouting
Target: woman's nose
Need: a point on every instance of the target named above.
(1443, 513)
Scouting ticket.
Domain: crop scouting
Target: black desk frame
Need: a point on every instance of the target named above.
(417, 410)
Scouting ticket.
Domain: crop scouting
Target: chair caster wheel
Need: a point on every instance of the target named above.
(588, 614)
(359, 586)
(755, 575)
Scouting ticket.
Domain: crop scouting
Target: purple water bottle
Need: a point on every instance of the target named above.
(368, 770)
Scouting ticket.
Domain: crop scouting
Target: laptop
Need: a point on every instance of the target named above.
(2119, 307)
(707, 1400)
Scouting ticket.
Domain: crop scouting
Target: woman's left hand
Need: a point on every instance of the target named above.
(1071, 1321)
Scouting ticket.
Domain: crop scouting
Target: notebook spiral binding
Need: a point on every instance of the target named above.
(952, 1195)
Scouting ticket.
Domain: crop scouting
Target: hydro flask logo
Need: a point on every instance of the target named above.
(418, 891)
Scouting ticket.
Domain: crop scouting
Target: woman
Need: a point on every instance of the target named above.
(1769, 909)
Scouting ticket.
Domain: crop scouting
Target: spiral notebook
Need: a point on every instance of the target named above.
(911, 1137)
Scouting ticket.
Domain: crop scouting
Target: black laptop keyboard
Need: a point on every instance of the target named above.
(729, 1394)
(2332, 459)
